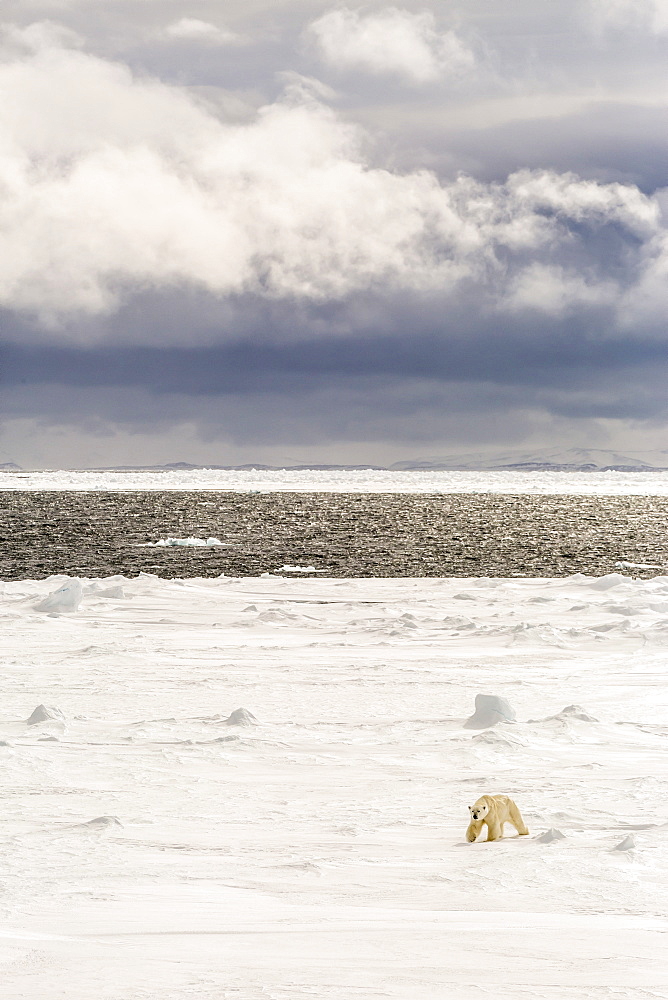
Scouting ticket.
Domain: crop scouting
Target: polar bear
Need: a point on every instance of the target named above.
(494, 810)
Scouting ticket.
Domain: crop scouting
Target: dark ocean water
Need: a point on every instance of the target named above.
(346, 535)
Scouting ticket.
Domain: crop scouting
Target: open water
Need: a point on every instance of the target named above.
(340, 534)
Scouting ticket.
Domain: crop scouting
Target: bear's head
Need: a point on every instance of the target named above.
(479, 810)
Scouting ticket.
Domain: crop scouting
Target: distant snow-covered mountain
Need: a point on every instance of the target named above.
(557, 460)
(247, 467)
(552, 460)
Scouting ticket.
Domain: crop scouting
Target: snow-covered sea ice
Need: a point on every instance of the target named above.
(259, 787)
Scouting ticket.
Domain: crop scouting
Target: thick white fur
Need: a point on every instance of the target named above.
(493, 811)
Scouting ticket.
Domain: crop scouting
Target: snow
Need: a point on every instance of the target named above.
(156, 845)
(609, 483)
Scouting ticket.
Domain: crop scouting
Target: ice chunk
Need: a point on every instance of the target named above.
(240, 717)
(66, 599)
(170, 542)
(576, 712)
(490, 709)
(45, 713)
(550, 836)
(101, 823)
(627, 844)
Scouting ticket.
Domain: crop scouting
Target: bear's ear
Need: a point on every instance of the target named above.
(470, 808)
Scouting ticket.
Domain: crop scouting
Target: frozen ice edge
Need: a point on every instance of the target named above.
(346, 481)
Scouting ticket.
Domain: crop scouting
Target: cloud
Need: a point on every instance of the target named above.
(15, 40)
(208, 250)
(115, 185)
(390, 41)
(167, 412)
(553, 291)
(193, 30)
(606, 142)
(644, 15)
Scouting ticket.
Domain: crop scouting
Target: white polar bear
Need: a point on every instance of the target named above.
(493, 811)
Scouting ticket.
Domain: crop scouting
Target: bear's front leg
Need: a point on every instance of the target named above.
(494, 831)
(474, 828)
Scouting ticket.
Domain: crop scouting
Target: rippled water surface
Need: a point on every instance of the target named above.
(343, 535)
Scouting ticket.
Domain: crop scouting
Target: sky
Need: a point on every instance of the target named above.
(292, 231)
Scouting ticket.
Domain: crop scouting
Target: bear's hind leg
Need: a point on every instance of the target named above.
(516, 819)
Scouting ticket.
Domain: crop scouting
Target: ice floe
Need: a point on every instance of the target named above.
(624, 564)
(190, 542)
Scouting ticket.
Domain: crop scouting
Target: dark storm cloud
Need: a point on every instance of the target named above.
(567, 358)
(609, 142)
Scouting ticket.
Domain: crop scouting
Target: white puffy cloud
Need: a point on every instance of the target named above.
(191, 29)
(645, 299)
(390, 41)
(112, 184)
(648, 15)
(554, 291)
(38, 35)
